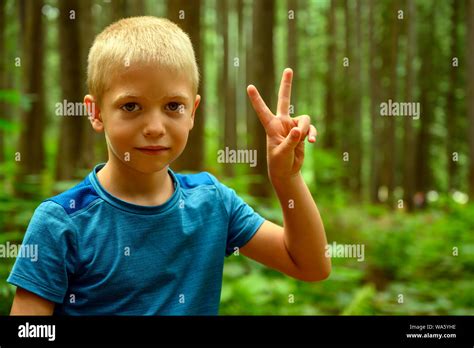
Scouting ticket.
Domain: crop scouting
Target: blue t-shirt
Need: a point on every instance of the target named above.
(100, 255)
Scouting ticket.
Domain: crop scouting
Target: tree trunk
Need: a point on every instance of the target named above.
(390, 72)
(187, 15)
(31, 138)
(374, 106)
(330, 115)
(228, 75)
(427, 86)
(221, 72)
(241, 76)
(357, 149)
(3, 81)
(118, 9)
(348, 99)
(451, 110)
(73, 127)
(292, 49)
(263, 77)
(88, 136)
(136, 8)
(408, 134)
(249, 78)
(231, 96)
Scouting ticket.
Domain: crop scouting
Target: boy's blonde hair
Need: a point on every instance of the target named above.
(139, 40)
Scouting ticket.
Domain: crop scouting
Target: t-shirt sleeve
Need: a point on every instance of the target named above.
(49, 252)
(243, 220)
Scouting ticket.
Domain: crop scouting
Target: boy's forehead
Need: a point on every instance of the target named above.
(152, 81)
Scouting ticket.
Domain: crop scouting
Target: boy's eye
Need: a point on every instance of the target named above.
(130, 107)
(174, 106)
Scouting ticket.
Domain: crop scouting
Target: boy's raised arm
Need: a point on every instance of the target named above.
(298, 248)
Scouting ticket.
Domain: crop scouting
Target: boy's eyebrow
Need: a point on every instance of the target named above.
(169, 96)
(126, 96)
(176, 96)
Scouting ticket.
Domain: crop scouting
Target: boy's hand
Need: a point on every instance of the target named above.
(285, 135)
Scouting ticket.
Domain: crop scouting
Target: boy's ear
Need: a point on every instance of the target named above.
(93, 110)
(196, 104)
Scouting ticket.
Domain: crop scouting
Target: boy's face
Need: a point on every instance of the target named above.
(146, 106)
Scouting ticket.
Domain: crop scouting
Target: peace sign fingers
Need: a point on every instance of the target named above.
(284, 95)
(262, 110)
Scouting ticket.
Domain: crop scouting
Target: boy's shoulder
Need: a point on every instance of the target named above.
(77, 197)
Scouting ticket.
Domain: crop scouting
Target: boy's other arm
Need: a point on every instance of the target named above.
(27, 303)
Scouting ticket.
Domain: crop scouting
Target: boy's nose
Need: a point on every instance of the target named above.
(154, 126)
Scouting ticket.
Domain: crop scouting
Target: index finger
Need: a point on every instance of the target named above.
(262, 110)
(284, 94)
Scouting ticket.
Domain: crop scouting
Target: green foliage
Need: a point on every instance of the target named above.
(15, 98)
(6, 290)
(328, 167)
(10, 96)
(362, 303)
(8, 126)
(407, 254)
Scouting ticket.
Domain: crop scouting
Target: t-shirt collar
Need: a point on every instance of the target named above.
(135, 208)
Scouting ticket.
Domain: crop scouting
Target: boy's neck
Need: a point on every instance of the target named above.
(134, 187)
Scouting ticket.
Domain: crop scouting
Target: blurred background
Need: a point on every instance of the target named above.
(400, 187)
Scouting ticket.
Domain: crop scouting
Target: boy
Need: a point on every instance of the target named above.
(135, 238)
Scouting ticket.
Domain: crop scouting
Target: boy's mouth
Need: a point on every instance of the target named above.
(153, 150)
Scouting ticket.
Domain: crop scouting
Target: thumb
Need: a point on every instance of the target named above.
(293, 138)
